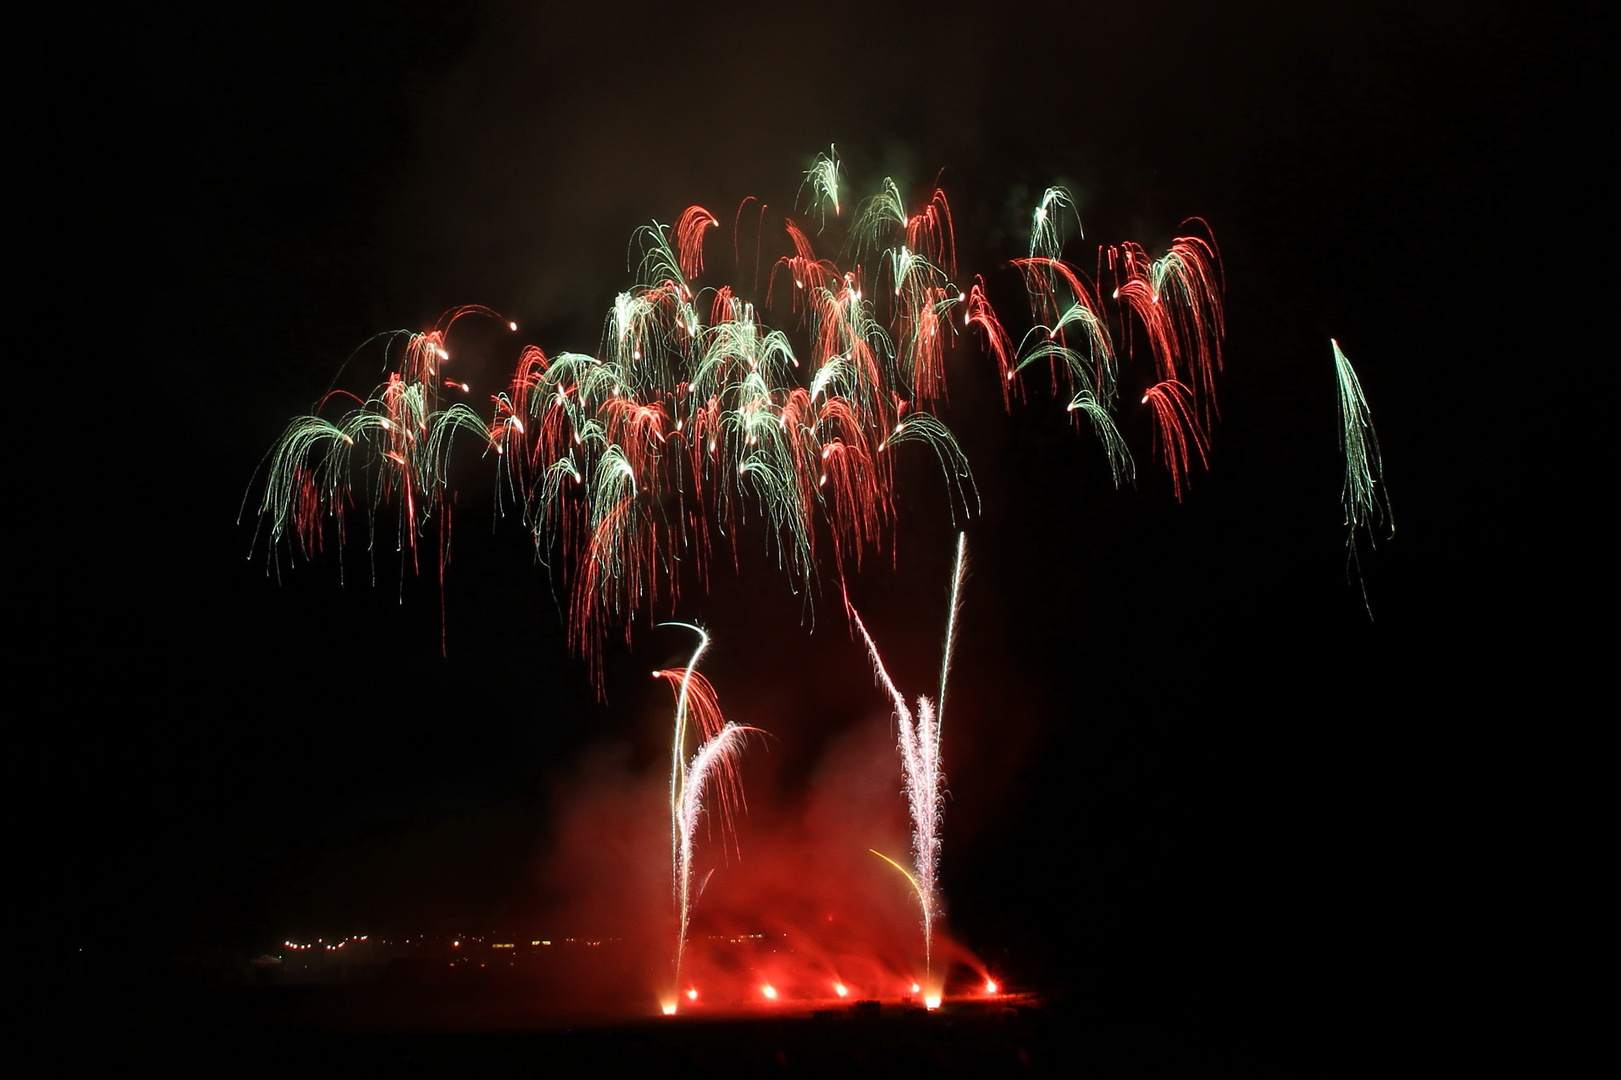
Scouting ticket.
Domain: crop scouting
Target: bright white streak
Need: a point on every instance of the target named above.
(957, 575)
(678, 746)
(716, 754)
(688, 781)
(919, 745)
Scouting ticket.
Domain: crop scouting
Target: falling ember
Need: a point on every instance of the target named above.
(769, 991)
(841, 990)
(692, 995)
(990, 986)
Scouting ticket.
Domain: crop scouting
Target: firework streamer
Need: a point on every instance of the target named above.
(823, 179)
(698, 418)
(712, 769)
(1177, 428)
(1047, 223)
(919, 746)
(1363, 496)
(1177, 297)
(392, 448)
(689, 240)
(1055, 321)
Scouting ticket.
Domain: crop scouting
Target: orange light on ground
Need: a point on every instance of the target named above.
(932, 1001)
(668, 1008)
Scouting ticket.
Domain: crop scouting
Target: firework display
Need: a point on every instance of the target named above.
(919, 744)
(772, 408)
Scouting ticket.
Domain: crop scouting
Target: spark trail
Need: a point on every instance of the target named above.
(1363, 495)
(712, 766)
(712, 411)
(919, 745)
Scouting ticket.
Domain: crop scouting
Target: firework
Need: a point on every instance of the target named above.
(1363, 496)
(398, 440)
(1177, 297)
(1177, 428)
(632, 468)
(712, 768)
(919, 745)
(772, 407)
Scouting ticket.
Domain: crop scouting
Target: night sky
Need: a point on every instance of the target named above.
(1190, 777)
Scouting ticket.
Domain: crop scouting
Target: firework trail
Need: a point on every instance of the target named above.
(633, 469)
(919, 745)
(959, 572)
(1177, 428)
(400, 436)
(712, 766)
(1363, 495)
(1177, 297)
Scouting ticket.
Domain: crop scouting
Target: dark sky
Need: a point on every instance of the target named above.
(1182, 756)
